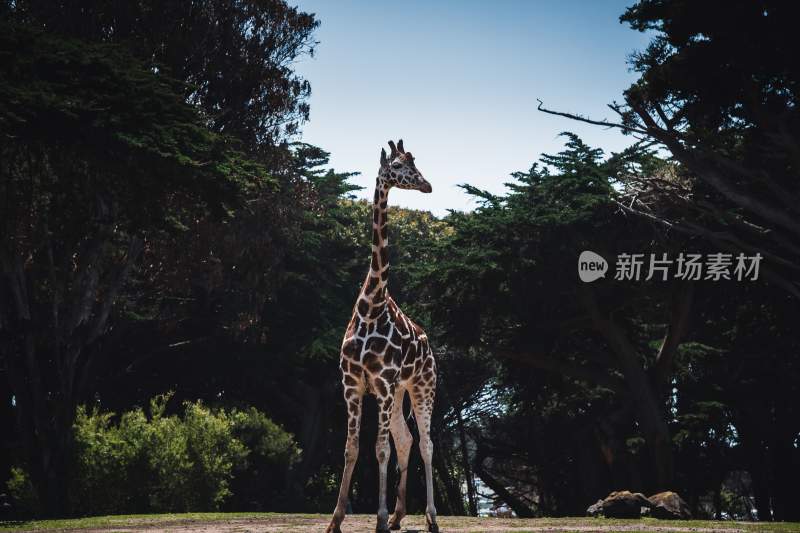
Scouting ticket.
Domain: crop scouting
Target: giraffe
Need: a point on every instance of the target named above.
(386, 354)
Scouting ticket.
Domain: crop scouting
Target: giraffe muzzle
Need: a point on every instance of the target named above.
(426, 187)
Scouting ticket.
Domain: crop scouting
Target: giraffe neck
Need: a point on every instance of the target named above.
(374, 290)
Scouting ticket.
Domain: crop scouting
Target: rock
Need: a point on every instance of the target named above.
(596, 509)
(624, 504)
(669, 505)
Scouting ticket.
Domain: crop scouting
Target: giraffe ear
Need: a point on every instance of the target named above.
(394, 149)
(383, 158)
(400, 146)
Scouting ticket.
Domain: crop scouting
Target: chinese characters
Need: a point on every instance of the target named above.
(714, 267)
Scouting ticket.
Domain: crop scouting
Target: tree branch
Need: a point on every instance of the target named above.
(586, 374)
(135, 248)
(711, 175)
(680, 307)
(521, 510)
(587, 120)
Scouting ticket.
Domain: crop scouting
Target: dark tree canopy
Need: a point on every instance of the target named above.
(100, 155)
(115, 127)
(719, 90)
(234, 56)
(727, 66)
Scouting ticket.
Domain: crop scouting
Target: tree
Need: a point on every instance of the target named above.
(235, 57)
(719, 90)
(505, 284)
(734, 399)
(99, 154)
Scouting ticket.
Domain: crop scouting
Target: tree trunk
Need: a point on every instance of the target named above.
(468, 477)
(314, 408)
(680, 307)
(785, 488)
(45, 354)
(516, 505)
(455, 499)
(7, 441)
(644, 397)
(753, 448)
(45, 427)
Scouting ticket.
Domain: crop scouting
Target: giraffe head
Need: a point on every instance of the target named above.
(399, 170)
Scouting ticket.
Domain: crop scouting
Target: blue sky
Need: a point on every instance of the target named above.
(458, 81)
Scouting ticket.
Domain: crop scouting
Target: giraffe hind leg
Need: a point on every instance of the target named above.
(382, 452)
(403, 441)
(422, 402)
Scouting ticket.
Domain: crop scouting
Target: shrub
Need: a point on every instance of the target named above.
(258, 482)
(23, 495)
(104, 458)
(160, 463)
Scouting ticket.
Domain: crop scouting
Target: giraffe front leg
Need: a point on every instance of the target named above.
(402, 443)
(382, 452)
(353, 397)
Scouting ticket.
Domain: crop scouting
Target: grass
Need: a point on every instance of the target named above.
(306, 523)
(94, 522)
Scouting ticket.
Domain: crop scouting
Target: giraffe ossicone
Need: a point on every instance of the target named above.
(386, 354)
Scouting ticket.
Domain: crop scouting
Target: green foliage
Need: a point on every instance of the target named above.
(504, 282)
(322, 260)
(95, 116)
(495, 262)
(263, 437)
(234, 57)
(169, 463)
(413, 238)
(23, 495)
(100, 156)
(725, 68)
(719, 88)
(273, 452)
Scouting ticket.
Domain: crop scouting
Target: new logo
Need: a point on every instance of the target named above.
(591, 266)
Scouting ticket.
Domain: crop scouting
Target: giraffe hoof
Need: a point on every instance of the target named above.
(432, 526)
(394, 522)
(333, 529)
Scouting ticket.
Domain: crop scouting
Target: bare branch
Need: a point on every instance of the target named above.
(101, 316)
(587, 120)
(708, 172)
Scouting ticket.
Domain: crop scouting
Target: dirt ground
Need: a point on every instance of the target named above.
(416, 524)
